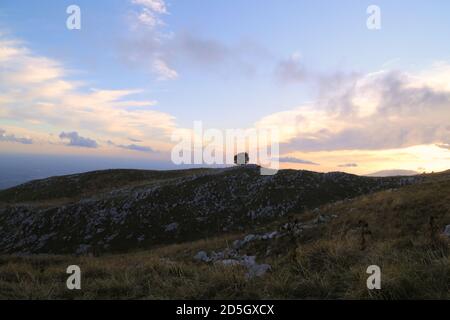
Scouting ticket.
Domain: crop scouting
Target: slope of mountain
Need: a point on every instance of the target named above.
(122, 210)
(77, 186)
(308, 254)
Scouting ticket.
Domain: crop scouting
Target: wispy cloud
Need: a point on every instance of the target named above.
(167, 57)
(150, 11)
(12, 138)
(132, 147)
(163, 71)
(166, 54)
(297, 160)
(135, 147)
(157, 6)
(147, 51)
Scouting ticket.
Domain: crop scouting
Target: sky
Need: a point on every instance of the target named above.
(343, 96)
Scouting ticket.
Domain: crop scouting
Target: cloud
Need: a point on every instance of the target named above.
(209, 55)
(291, 70)
(157, 6)
(135, 147)
(163, 71)
(77, 141)
(154, 48)
(146, 50)
(167, 56)
(12, 138)
(376, 111)
(348, 165)
(37, 90)
(148, 18)
(149, 13)
(201, 51)
(132, 147)
(297, 160)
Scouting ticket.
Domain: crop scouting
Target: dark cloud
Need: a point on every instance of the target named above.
(135, 147)
(202, 51)
(297, 160)
(132, 147)
(209, 55)
(399, 99)
(188, 50)
(291, 71)
(12, 138)
(76, 140)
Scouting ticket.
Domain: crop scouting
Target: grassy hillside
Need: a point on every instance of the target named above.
(144, 209)
(320, 253)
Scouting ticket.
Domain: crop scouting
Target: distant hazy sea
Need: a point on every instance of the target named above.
(16, 169)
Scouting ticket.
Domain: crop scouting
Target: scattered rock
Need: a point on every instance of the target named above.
(254, 269)
(83, 249)
(447, 231)
(230, 262)
(202, 256)
(320, 219)
(249, 238)
(238, 244)
(171, 227)
(270, 235)
(249, 262)
(258, 270)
